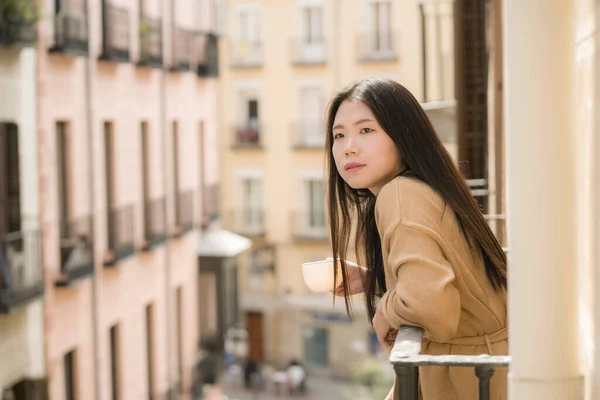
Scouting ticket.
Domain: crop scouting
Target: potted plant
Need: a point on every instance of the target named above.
(17, 20)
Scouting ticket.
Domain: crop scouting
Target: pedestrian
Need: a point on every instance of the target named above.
(422, 244)
(296, 376)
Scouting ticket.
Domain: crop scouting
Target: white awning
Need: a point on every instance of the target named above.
(221, 243)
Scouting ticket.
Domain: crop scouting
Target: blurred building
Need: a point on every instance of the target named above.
(22, 322)
(281, 63)
(108, 146)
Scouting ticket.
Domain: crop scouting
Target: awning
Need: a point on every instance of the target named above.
(221, 243)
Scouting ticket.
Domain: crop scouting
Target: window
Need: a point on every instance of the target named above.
(315, 204)
(175, 131)
(63, 158)
(248, 30)
(69, 371)
(150, 357)
(312, 24)
(246, 50)
(179, 332)
(248, 130)
(252, 209)
(114, 361)
(10, 191)
(311, 116)
(379, 23)
(316, 346)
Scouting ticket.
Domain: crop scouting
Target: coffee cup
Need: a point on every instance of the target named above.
(318, 275)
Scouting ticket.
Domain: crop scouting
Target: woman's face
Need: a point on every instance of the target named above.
(364, 154)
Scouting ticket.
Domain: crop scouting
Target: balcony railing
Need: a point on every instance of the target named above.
(208, 55)
(21, 277)
(247, 221)
(70, 33)
(246, 53)
(184, 49)
(247, 135)
(210, 205)
(308, 134)
(151, 42)
(185, 212)
(155, 231)
(76, 250)
(406, 358)
(120, 235)
(310, 225)
(309, 53)
(18, 23)
(115, 33)
(377, 46)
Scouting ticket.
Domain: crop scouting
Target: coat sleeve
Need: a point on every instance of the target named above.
(425, 294)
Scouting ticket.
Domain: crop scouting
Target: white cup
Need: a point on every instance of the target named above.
(318, 275)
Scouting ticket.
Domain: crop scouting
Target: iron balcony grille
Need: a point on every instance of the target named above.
(208, 55)
(185, 211)
(246, 53)
(309, 52)
(18, 23)
(120, 234)
(70, 33)
(155, 231)
(377, 46)
(76, 249)
(151, 42)
(115, 35)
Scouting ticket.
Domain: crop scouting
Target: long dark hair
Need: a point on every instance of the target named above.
(400, 115)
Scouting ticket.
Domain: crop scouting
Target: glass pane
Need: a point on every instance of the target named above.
(316, 346)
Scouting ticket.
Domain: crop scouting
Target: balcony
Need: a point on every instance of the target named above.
(151, 42)
(406, 359)
(18, 23)
(115, 33)
(246, 54)
(247, 221)
(308, 135)
(184, 49)
(247, 135)
(309, 52)
(76, 250)
(208, 57)
(310, 226)
(70, 33)
(377, 46)
(210, 205)
(120, 235)
(155, 231)
(185, 212)
(21, 276)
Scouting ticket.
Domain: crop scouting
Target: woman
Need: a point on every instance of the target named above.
(430, 253)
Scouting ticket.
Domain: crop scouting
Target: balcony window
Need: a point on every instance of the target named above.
(115, 33)
(76, 250)
(154, 222)
(70, 28)
(248, 217)
(310, 130)
(120, 234)
(309, 48)
(208, 55)
(18, 22)
(247, 132)
(246, 51)
(311, 220)
(185, 211)
(150, 42)
(184, 49)
(378, 41)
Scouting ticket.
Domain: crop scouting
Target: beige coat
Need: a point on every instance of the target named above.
(434, 282)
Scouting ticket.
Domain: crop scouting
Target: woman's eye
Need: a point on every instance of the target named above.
(366, 130)
(338, 136)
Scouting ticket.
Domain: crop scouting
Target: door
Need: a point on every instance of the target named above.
(254, 326)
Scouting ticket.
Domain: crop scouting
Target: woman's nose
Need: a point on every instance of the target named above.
(351, 147)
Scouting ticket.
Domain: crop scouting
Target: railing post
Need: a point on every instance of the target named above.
(408, 382)
(484, 373)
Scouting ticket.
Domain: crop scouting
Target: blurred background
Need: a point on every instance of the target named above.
(162, 181)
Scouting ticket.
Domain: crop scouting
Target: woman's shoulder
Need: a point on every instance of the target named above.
(410, 198)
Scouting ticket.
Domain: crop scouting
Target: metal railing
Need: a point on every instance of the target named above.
(208, 55)
(246, 53)
(155, 231)
(406, 359)
(21, 276)
(310, 225)
(18, 28)
(184, 49)
(76, 249)
(210, 204)
(378, 46)
(151, 42)
(120, 234)
(309, 53)
(308, 134)
(247, 220)
(115, 44)
(247, 135)
(70, 32)
(185, 210)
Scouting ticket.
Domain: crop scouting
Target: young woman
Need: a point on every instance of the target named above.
(429, 252)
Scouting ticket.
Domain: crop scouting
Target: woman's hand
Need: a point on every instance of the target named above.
(356, 275)
(386, 334)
